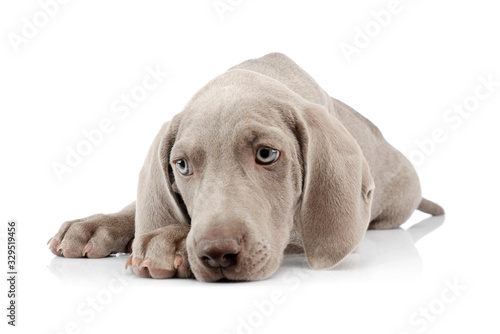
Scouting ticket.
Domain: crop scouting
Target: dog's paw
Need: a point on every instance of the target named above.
(161, 253)
(94, 237)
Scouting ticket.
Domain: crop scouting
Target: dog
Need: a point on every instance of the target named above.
(261, 162)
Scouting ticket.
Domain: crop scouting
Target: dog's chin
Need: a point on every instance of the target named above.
(234, 273)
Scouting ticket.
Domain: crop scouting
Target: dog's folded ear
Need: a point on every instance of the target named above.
(157, 204)
(337, 188)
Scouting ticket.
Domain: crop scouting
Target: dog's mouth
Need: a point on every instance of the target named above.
(229, 258)
(240, 272)
(225, 271)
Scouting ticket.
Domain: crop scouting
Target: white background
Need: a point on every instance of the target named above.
(65, 78)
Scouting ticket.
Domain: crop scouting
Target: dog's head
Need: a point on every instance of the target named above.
(246, 162)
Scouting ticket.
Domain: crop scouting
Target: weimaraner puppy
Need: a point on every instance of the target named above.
(261, 162)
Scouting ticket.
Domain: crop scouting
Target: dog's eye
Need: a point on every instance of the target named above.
(184, 167)
(266, 155)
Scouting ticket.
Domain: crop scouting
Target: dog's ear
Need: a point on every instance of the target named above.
(337, 188)
(157, 203)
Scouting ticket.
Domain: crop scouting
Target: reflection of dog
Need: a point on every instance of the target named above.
(260, 162)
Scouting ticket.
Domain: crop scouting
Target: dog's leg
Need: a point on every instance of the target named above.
(96, 236)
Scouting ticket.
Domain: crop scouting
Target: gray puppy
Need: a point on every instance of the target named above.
(261, 162)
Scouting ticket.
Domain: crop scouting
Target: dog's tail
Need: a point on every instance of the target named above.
(430, 207)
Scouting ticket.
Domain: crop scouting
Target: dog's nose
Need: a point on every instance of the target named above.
(219, 252)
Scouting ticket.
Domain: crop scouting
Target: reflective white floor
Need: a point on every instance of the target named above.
(390, 253)
(384, 280)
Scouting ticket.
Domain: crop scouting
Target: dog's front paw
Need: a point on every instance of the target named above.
(161, 253)
(95, 236)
